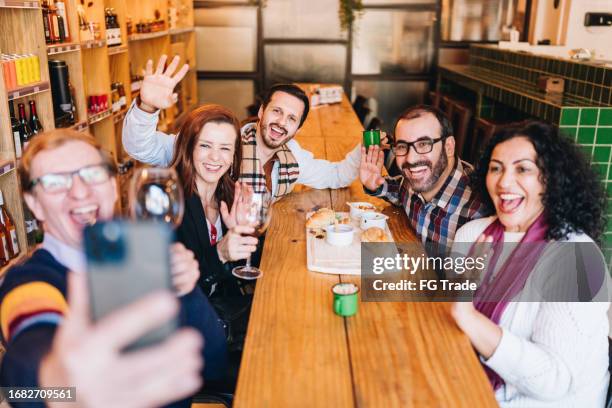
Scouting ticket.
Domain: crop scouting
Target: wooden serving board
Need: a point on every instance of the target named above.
(326, 258)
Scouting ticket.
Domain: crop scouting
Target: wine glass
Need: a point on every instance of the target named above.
(156, 194)
(254, 210)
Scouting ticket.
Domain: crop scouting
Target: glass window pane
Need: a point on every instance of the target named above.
(302, 19)
(393, 42)
(233, 94)
(305, 63)
(387, 99)
(480, 20)
(237, 27)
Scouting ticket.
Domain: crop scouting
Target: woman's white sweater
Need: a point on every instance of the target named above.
(551, 354)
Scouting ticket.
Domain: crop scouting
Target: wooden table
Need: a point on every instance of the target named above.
(299, 353)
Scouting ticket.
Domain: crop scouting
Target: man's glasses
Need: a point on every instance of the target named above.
(62, 182)
(422, 146)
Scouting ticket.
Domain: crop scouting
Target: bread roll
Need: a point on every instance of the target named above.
(375, 234)
(321, 219)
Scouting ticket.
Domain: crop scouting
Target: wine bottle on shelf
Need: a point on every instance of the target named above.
(55, 24)
(9, 229)
(35, 125)
(31, 224)
(24, 128)
(60, 27)
(15, 128)
(4, 254)
(61, 11)
(46, 22)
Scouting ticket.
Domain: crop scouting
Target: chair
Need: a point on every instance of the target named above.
(460, 115)
(446, 106)
(360, 106)
(434, 99)
(484, 129)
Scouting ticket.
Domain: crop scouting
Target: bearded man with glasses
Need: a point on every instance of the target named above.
(434, 185)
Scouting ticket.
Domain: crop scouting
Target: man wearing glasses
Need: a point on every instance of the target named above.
(434, 185)
(68, 183)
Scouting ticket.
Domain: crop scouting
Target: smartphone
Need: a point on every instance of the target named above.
(125, 262)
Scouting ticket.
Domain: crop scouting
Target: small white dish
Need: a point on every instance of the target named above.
(339, 235)
(360, 207)
(373, 219)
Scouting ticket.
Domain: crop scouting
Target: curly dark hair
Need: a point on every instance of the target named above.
(574, 198)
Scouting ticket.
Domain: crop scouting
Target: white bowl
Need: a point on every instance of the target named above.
(373, 219)
(356, 211)
(339, 235)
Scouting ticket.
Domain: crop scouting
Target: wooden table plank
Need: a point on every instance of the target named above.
(295, 351)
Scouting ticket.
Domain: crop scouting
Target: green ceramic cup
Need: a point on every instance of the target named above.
(371, 137)
(346, 299)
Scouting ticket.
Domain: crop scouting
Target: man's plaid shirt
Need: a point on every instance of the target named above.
(436, 221)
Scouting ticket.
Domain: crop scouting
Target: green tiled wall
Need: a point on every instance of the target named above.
(592, 129)
(583, 80)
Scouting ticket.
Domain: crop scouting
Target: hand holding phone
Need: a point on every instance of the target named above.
(125, 262)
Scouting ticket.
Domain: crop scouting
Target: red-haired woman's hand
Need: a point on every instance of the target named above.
(157, 89)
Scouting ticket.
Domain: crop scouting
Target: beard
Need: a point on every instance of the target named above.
(435, 170)
(267, 139)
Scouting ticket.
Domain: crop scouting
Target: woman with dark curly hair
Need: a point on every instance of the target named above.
(543, 194)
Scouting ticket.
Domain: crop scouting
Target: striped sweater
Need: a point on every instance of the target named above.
(33, 302)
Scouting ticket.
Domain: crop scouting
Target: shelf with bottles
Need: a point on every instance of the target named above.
(119, 98)
(12, 203)
(55, 22)
(17, 4)
(24, 127)
(90, 20)
(54, 49)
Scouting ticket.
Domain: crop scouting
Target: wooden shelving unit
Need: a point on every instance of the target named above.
(19, 4)
(93, 66)
(55, 49)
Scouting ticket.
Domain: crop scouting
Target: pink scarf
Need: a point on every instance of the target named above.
(493, 295)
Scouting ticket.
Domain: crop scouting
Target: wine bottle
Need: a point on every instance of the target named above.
(24, 128)
(46, 20)
(35, 125)
(60, 26)
(9, 229)
(61, 11)
(31, 225)
(55, 24)
(15, 128)
(4, 254)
